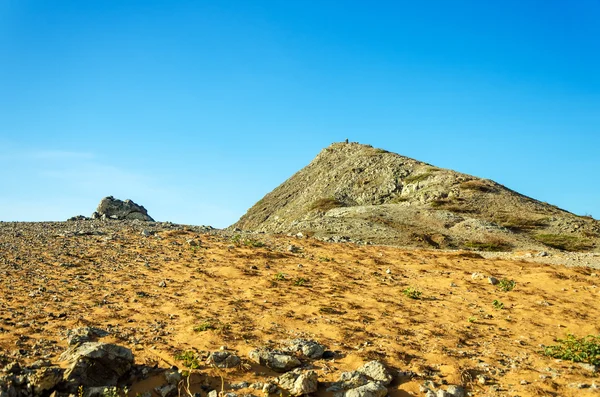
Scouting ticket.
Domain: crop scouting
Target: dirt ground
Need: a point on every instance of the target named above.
(162, 295)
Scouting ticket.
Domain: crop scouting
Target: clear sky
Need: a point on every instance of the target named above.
(196, 109)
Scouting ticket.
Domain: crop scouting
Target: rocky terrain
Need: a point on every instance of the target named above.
(109, 307)
(354, 192)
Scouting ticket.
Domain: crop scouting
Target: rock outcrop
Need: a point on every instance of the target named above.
(112, 208)
(356, 193)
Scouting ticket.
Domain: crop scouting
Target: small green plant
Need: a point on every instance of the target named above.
(279, 277)
(477, 185)
(585, 350)
(189, 359)
(300, 281)
(205, 326)
(506, 285)
(325, 259)
(497, 304)
(412, 293)
(472, 319)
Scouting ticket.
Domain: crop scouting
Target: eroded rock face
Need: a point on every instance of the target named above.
(113, 208)
(97, 364)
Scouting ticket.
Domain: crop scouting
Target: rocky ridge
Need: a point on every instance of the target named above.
(354, 192)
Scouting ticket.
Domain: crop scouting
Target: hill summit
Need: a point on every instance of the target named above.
(354, 192)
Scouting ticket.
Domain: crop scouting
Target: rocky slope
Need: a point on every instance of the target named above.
(359, 193)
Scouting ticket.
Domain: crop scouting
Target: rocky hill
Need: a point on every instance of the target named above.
(354, 192)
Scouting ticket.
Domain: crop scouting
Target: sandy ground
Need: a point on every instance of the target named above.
(347, 297)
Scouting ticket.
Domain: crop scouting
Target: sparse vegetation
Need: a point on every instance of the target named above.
(519, 224)
(189, 359)
(415, 178)
(279, 277)
(300, 281)
(205, 326)
(564, 242)
(491, 245)
(497, 304)
(477, 185)
(585, 350)
(412, 293)
(325, 204)
(506, 285)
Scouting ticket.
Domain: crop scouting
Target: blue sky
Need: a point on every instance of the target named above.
(196, 109)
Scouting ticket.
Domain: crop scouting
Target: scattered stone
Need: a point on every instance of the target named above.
(193, 243)
(81, 335)
(293, 248)
(493, 280)
(145, 233)
(212, 393)
(224, 359)
(162, 284)
(441, 393)
(277, 361)
(113, 208)
(96, 364)
(579, 385)
(238, 386)
(297, 382)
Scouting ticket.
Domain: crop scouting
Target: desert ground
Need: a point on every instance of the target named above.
(168, 291)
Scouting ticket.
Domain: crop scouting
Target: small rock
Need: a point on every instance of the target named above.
(476, 276)
(224, 359)
(238, 386)
(297, 382)
(493, 280)
(371, 389)
(308, 348)
(212, 393)
(456, 391)
(293, 248)
(145, 233)
(162, 284)
(376, 371)
(441, 393)
(173, 377)
(277, 361)
(166, 390)
(269, 388)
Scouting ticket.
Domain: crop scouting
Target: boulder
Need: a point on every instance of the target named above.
(94, 364)
(113, 208)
